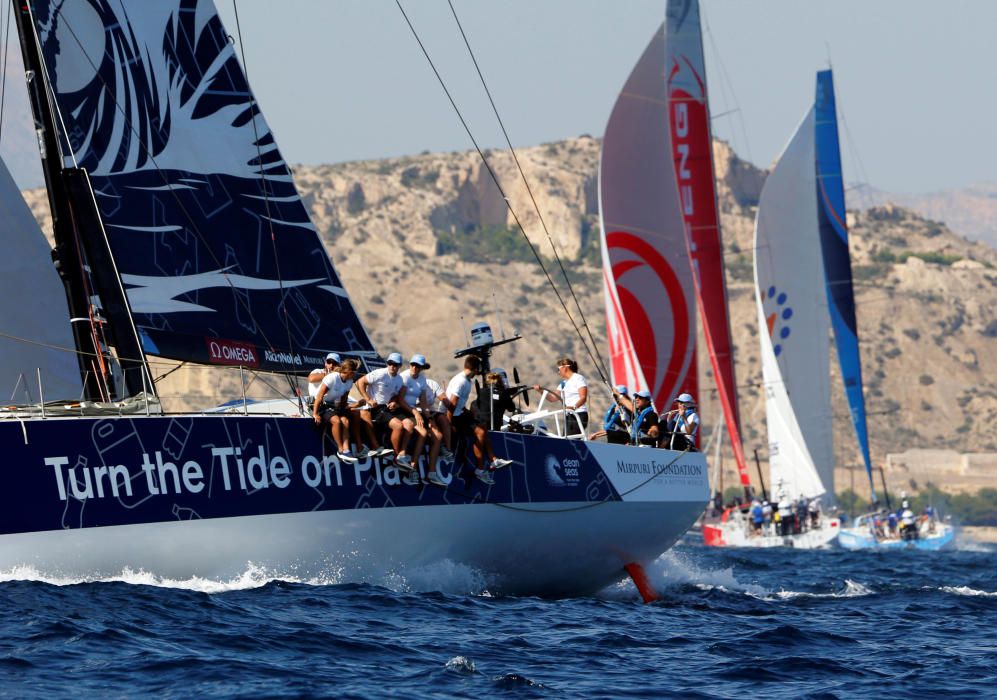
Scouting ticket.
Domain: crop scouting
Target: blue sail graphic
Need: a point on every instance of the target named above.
(217, 253)
(837, 263)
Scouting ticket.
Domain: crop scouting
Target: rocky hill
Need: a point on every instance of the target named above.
(970, 211)
(427, 247)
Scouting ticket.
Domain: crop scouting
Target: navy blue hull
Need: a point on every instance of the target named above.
(94, 472)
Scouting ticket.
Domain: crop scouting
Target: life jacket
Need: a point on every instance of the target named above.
(616, 418)
(635, 426)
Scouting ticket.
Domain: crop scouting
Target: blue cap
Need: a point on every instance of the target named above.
(643, 394)
(395, 358)
(622, 388)
(419, 360)
(334, 356)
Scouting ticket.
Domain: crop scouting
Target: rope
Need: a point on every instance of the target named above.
(495, 180)
(601, 366)
(3, 85)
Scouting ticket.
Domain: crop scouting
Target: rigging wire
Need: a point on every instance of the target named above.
(602, 365)
(266, 192)
(3, 84)
(498, 185)
(727, 85)
(145, 148)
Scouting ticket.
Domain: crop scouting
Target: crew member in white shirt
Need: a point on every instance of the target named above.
(417, 419)
(686, 423)
(331, 404)
(436, 397)
(380, 390)
(572, 391)
(465, 423)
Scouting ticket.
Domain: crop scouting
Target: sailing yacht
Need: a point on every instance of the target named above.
(794, 326)
(180, 234)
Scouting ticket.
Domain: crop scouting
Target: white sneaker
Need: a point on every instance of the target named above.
(363, 453)
(435, 479)
(484, 476)
(347, 456)
(411, 479)
(499, 463)
(381, 452)
(404, 462)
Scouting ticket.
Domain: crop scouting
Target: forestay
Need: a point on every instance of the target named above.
(219, 258)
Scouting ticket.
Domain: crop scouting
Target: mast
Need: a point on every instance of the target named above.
(66, 255)
(80, 243)
(837, 261)
(692, 151)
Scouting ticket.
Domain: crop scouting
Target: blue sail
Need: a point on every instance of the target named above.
(837, 262)
(218, 256)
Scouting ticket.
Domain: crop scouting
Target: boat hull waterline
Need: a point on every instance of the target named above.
(943, 537)
(206, 496)
(735, 535)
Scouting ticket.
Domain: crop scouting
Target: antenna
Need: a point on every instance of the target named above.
(467, 338)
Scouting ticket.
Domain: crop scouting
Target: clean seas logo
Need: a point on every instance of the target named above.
(777, 316)
(562, 472)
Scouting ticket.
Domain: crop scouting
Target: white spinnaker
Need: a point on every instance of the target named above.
(33, 316)
(794, 324)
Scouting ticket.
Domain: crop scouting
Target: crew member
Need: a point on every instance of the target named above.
(466, 424)
(331, 405)
(380, 390)
(316, 376)
(615, 426)
(572, 391)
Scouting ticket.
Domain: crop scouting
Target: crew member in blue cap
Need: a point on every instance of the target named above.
(644, 428)
(315, 377)
(616, 424)
(416, 419)
(381, 390)
(680, 426)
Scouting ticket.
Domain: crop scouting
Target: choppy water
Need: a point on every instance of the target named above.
(730, 624)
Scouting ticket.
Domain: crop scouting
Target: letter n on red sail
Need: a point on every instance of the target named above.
(231, 352)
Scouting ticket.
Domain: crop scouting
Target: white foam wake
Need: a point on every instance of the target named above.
(445, 576)
(966, 590)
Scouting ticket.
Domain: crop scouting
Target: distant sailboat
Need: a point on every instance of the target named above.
(841, 298)
(793, 331)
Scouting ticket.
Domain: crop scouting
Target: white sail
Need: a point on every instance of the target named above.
(794, 323)
(36, 333)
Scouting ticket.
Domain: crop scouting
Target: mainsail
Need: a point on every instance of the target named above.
(837, 262)
(646, 275)
(692, 150)
(219, 258)
(37, 344)
(793, 323)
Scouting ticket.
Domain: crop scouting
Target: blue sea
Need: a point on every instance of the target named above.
(730, 623)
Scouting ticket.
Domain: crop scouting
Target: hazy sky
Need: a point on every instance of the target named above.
(344, 80)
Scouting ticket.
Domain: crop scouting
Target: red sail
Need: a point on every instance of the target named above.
(650, 311)
(693, 157)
